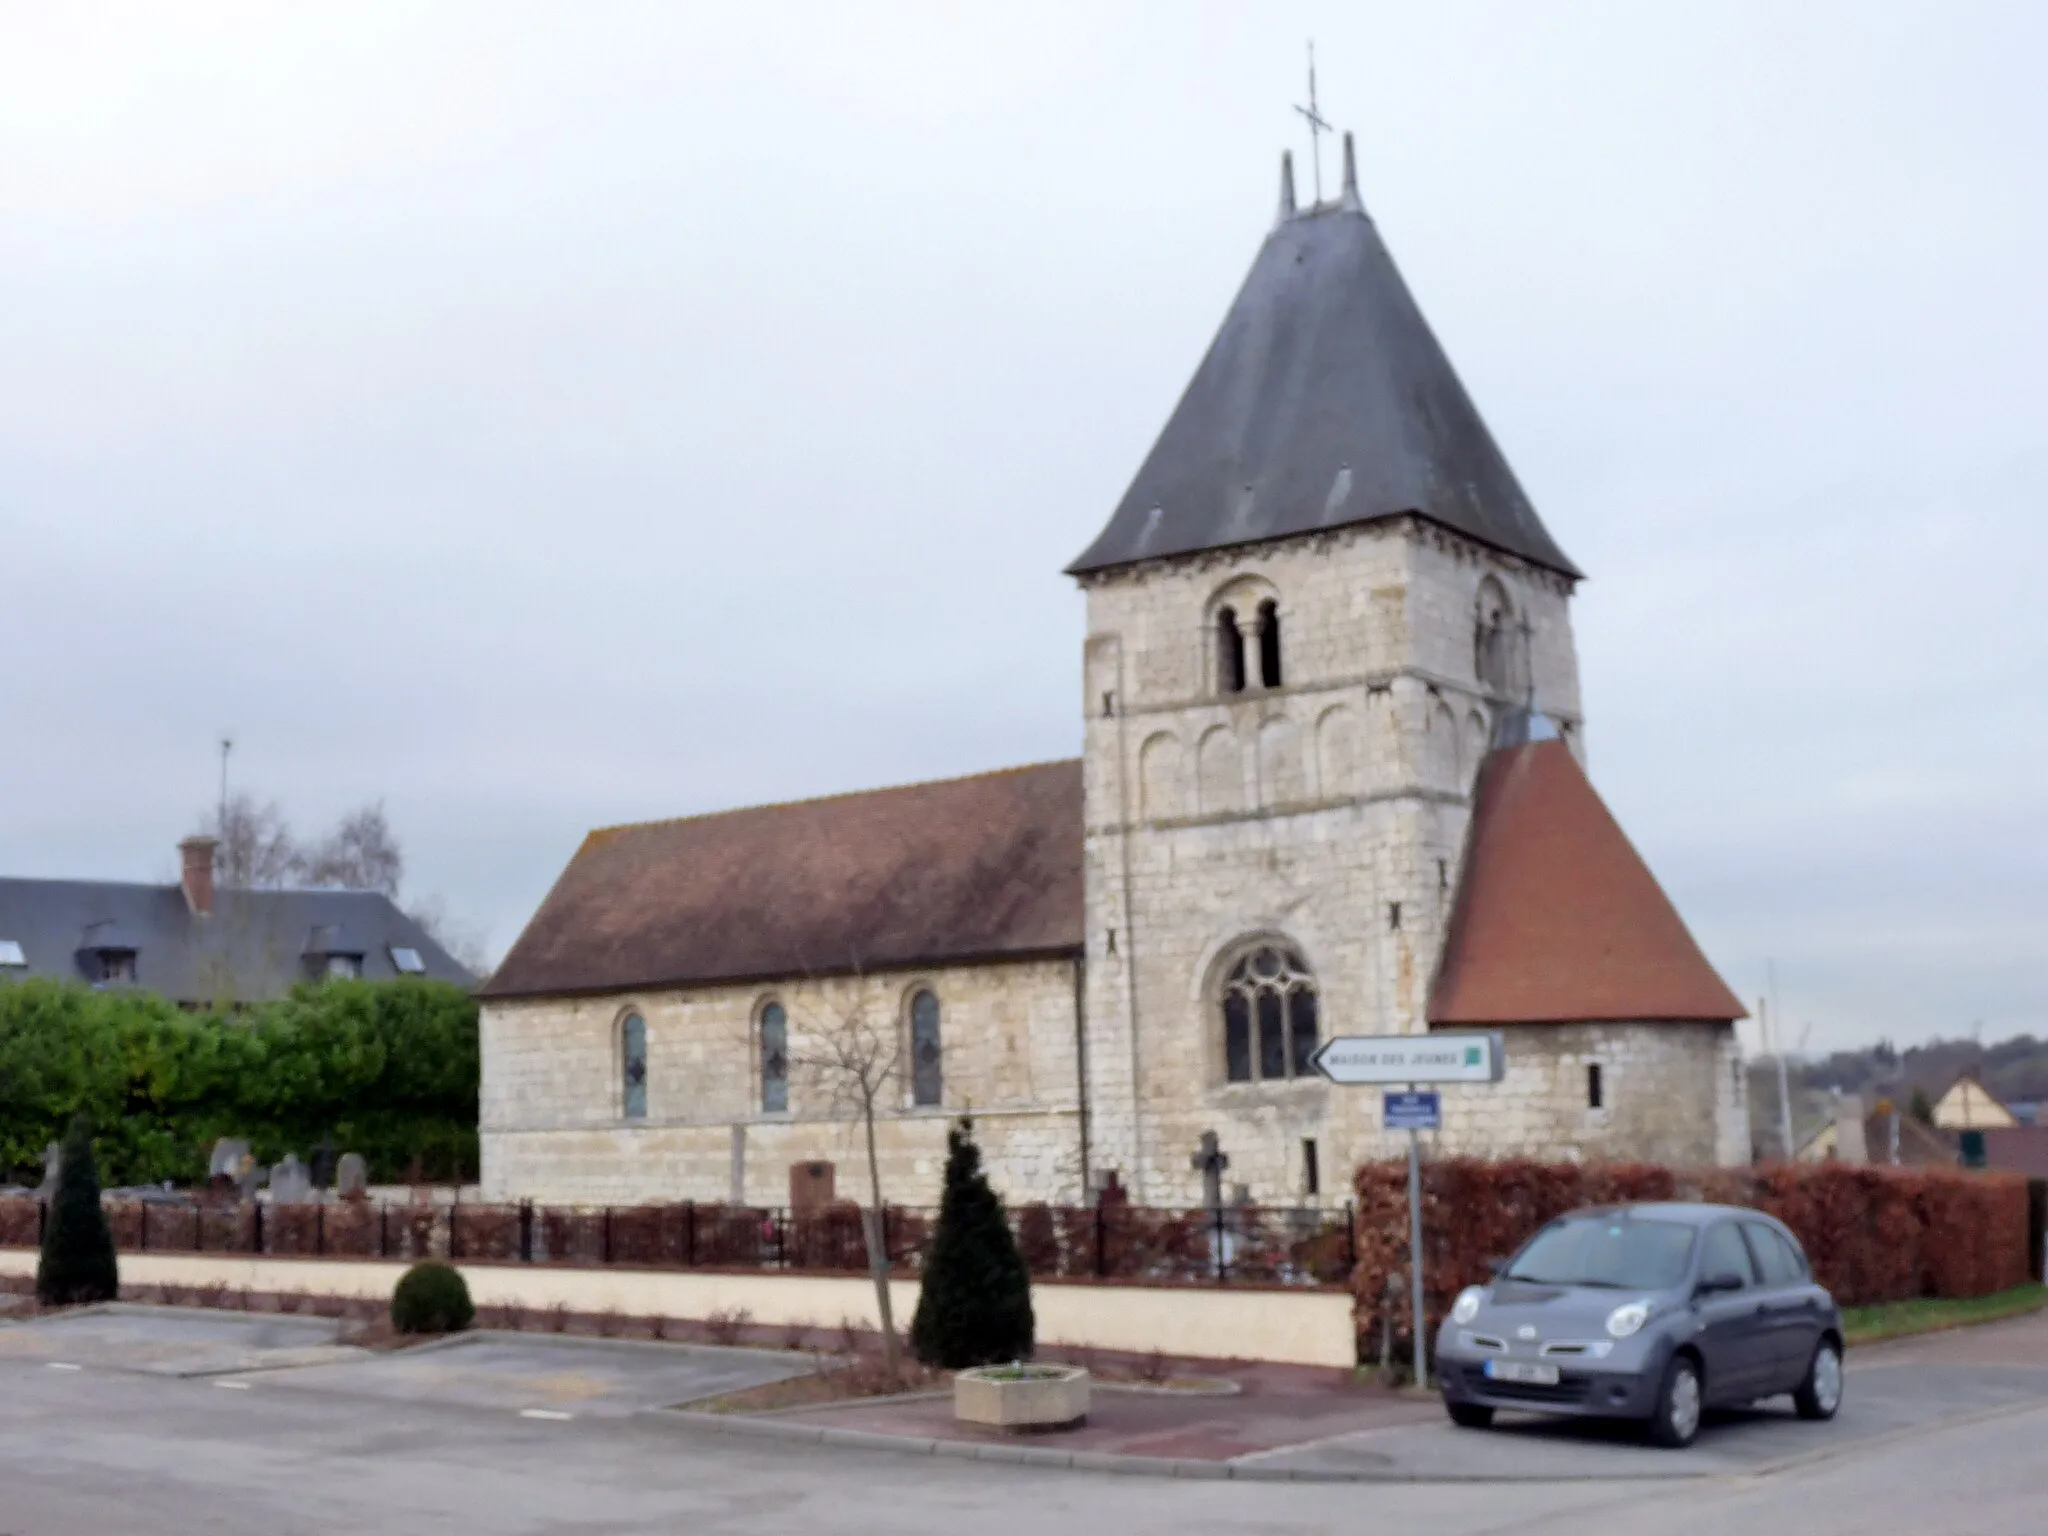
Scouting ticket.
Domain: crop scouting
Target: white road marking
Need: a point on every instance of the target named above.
(544, 1413)
(233, 1386)
(60, 1365)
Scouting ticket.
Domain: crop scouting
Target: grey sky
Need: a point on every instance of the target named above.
(548, 416)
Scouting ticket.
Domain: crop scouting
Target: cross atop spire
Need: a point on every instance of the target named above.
(1318, 125)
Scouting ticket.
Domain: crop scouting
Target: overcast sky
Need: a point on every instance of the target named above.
(550, 416)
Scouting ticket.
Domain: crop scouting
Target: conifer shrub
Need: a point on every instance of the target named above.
(975, 1305)
(77, 1264)
(431, 1298)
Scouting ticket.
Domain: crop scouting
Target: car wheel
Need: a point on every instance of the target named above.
(1676, 1423)
(1469, 1415)
(1820, 1394)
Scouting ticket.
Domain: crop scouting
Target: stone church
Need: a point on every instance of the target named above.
(1331, 782)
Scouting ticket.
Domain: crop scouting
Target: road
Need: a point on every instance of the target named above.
(93, 1449)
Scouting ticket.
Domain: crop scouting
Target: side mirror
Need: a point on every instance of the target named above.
(1723, 1280)
(1494, 1267)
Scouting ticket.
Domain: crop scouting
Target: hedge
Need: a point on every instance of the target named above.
(387, 1069)
(1872, 1234)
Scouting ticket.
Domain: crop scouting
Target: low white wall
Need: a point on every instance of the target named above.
(1296, 1327)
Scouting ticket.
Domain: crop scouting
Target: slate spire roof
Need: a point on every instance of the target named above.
(1558, 919)
(1324, 401)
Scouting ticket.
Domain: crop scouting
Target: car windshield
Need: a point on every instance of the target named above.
(1614, 1251)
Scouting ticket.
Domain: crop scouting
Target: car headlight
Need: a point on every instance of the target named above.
(1466, 1307)
(1627, 1318)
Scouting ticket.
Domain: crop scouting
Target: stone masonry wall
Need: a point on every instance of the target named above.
(552, 1128)
(1329, 812)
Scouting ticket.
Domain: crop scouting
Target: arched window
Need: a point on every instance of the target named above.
(926, 1083)
(1500, 644)
(1269, 1016)
(774, 1059)
(1229, 652)
(633, 1066)
(1269, 643)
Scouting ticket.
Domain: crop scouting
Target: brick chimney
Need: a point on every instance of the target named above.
(197, 878)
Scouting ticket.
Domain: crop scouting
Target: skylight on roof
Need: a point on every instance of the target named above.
(10, 952)
(407, 960)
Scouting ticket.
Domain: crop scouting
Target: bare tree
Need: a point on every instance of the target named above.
(854, 1063)
(464, 943)
(257, 850)
(360, 854)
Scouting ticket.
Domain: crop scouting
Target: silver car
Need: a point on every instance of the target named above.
(1650, 1312)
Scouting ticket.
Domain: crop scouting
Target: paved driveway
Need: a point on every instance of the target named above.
(172, 1341)
(541, 1374)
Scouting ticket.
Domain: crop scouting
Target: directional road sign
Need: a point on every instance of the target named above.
(1428, 1058)
(1412, 1111)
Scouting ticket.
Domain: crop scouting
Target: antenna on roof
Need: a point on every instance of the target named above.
(1350, 197)
(1286, 184)
(1318, 125)
(220, 826)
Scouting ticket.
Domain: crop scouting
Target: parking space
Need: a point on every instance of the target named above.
(542, 1375)
(172, 1341)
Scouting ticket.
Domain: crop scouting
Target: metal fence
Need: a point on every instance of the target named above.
(1250, 1245)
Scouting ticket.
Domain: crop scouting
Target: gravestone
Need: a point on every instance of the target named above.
(290, 1184)
(323, 1163)
(229, 1154)
(351, 1176)
(53, 1162)
(1210, 1161)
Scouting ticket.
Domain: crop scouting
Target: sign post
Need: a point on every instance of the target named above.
(1412, 1059)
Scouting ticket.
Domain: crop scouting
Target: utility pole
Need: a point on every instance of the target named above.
(1765, 1009)
(220, 825)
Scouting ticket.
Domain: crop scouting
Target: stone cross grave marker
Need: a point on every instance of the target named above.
(1210, 1162)
(289, 1182)
(351, 1175)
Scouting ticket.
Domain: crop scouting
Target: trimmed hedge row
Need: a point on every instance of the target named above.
(1872, 1234)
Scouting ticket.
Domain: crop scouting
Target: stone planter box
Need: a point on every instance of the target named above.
(1022, 1396)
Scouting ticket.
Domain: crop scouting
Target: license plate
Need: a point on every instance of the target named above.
(1519, 1370)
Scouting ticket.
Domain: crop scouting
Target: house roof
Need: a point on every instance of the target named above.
(1557, 919)
(253, 944)
(1325, 400)
(980, 868)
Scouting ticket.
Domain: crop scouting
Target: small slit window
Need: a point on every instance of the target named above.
(406, 961)
(774, 1059)
(927, 1084)
(1269, 644)
(1230, 675)
(633, 1067)
(1596, 1087)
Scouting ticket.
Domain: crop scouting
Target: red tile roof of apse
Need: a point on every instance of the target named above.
(981, 868)
(1558, 920)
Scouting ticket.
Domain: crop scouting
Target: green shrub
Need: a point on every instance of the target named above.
(78, 1251)
(431, 1298)
(975, 1304)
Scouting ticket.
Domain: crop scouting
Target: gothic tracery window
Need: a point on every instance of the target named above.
(633, 1067)
(1269, 1016)
(774, 1059)
(926, 1082)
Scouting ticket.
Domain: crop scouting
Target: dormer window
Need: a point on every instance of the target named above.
(106, 957)
(331, 954)
(114, 966)
(349, 967)
(406, 960)
(11, 956)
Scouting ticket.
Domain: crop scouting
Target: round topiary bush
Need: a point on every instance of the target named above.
(431, 1298)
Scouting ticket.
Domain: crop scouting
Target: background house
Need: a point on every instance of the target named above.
(206, 947)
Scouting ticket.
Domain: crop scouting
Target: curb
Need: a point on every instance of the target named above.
(1128, 1466)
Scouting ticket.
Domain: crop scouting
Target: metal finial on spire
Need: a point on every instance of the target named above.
(1286, 184)
(1318, 125)
(1350, 196)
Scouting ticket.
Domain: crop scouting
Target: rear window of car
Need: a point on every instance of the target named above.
(1776, 1259)
(1615, 1251)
